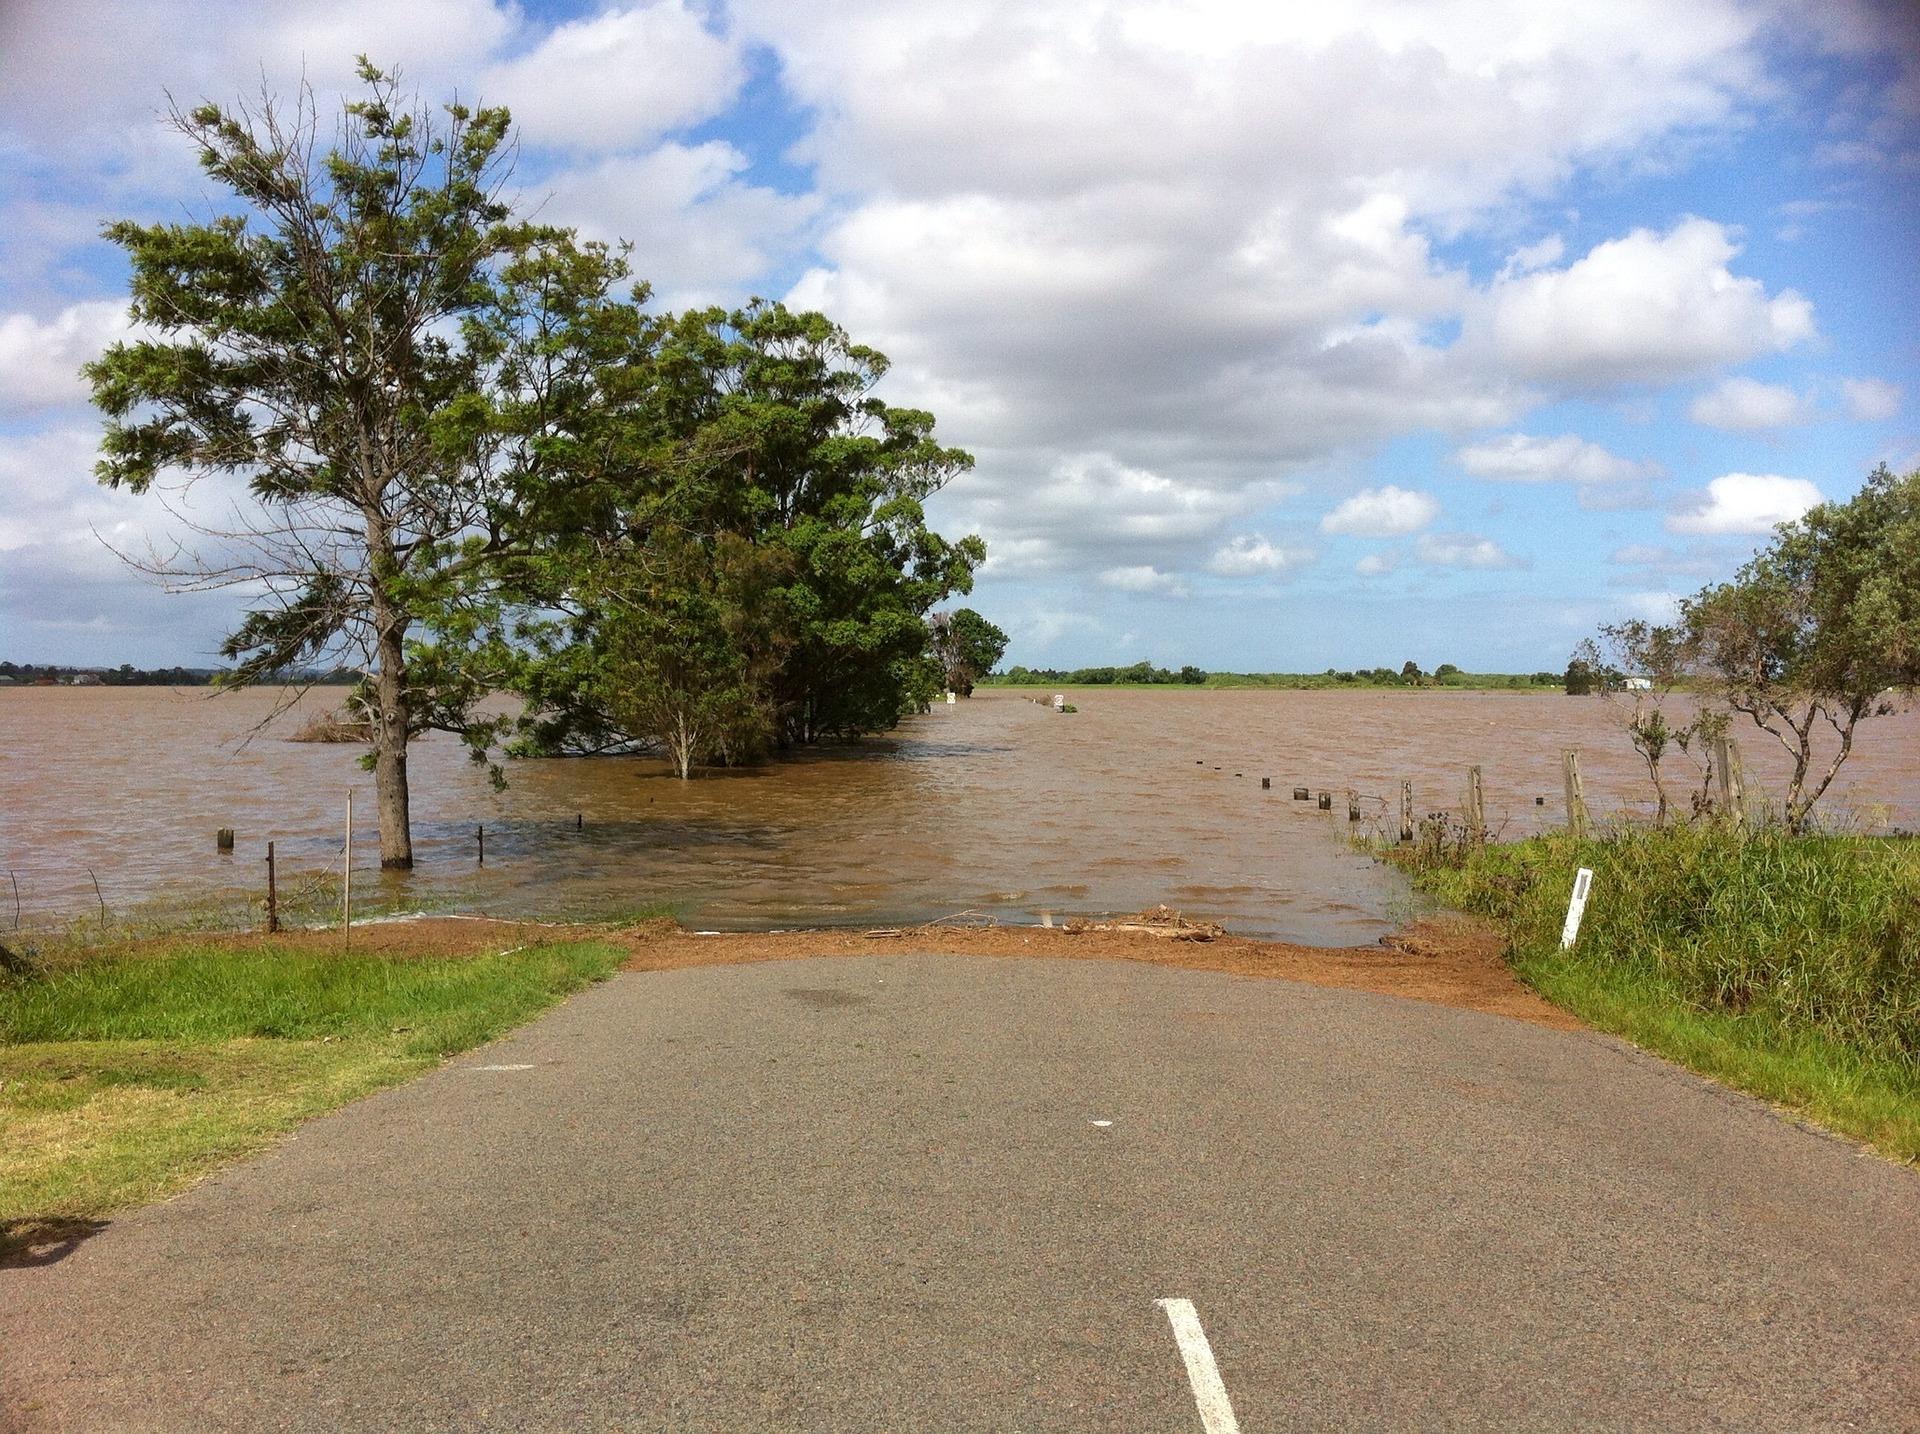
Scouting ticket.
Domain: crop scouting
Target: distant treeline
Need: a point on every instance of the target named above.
(28, 674)
(1145, 674)
(1141, 674)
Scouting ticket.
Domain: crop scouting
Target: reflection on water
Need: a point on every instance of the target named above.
(997, 805)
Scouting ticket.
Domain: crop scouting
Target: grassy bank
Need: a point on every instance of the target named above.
(126, 1076)
(1788, 967)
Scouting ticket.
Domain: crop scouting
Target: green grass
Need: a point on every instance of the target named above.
(1788, 967)
(126, 1077)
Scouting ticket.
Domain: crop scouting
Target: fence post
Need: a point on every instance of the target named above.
(1733, 796)
(273, 895)
(1353, 805)
(1406, 810)
(1577, 820)
(1476, 806)
(346, 880)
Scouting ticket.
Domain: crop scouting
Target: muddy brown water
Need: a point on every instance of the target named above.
(997, 806)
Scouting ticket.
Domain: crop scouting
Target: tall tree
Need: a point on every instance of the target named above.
(967, 647)
(337, 340)
(759, 423)
(1821, 630)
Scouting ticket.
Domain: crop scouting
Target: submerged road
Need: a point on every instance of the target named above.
(960, 1193)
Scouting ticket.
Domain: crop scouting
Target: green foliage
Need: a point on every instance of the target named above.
(1788, 965)
(346, 338)
(749, 443)
(1822, 933)
(966, 646)
(1820, 631)
(209, 993)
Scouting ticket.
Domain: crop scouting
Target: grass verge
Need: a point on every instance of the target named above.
(126, 1076)
(1787, 967)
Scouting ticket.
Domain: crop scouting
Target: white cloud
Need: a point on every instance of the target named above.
(1538, 255)
(618, 79)
(80, 82)
(40, 360)
(1522, 458)
(698, 232)
(1375, 565)
(1745, 503)
(1871, 400)
(1745, 403)
(1143, 578)
(1644, 309)
(1253, 555)
(1387, 512)
(1661, 607)
(1462, 550)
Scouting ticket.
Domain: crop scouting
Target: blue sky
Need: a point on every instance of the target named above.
(1285, 337)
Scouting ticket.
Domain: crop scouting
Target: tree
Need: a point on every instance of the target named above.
(1821, 628)
(1580, 678)
(1446, 669)
(1658, 654)
(967, 647)
(687, 655)
(334, 343)
(762, 424)
(1410, 671)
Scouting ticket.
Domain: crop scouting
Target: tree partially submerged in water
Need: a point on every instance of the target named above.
(338, 341)
(1655, 656)
(754, 567)
(472, 463)
(1818, 633)
(966, 646)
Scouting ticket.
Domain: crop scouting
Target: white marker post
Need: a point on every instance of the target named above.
(1577, 908)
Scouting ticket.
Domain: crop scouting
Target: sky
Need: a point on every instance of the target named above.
(1284, 336)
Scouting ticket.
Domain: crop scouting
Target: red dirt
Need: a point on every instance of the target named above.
(1447, 960)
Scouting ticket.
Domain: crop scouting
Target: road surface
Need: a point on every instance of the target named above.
(958, 1193)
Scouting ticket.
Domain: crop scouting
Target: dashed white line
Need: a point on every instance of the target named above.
(1216, 1411)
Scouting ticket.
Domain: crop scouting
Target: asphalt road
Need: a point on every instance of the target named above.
(876, 1194)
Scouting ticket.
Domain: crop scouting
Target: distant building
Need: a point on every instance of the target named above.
(1637, 684)
(85, 679)
(6, 681)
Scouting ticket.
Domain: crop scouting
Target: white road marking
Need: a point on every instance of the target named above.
(1216, 1412)
(1103, 1124)
(498, 1068)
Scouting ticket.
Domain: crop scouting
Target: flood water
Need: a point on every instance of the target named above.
(996, 806)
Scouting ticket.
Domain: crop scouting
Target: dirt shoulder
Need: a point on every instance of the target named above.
(1447, 960)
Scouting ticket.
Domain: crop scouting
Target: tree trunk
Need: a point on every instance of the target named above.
(391, 726)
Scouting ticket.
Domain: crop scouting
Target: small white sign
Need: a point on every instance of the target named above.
(1577, 908)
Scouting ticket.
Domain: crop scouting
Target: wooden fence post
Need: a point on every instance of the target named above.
(1577, 820)
(1353, 805)
(1406, 810)
(346, 881)
(1476, 806)
(1732, 781)
(273, 895)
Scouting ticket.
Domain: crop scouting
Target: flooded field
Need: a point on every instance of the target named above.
(997, 806)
